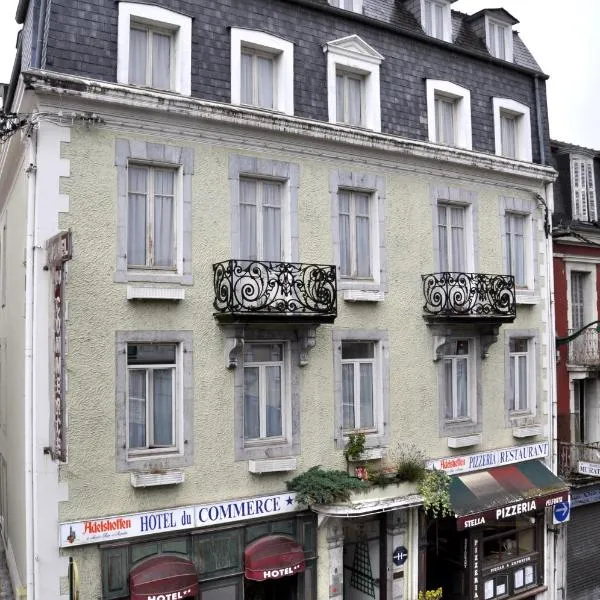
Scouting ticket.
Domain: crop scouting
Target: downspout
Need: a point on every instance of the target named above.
(29, 376)
(37, 61)
(540, 125)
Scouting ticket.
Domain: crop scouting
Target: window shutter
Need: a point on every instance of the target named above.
(591, 191)
(578, 185)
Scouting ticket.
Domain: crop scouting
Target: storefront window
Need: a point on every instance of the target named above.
(218, 554)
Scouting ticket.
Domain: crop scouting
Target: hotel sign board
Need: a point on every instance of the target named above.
(588, 468)
(106, 529)
(492, 458)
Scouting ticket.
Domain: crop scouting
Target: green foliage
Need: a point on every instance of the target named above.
(431, 594)
(355, 446)
(435, 489)
(319, 486)
(409, 462)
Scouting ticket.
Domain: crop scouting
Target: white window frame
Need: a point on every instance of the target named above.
(532, 337)
(286, 395)
(521, 114)
(378, 435)
(462, 111)
(345, 75)
(177, 216)
(353, 55)
(182, 453)
(508, 38)
(471, 416)
(357, 5)
(513, 356)
(468, 235)
(177, 421)
(282, 52)
(589, 211)
(180, 25)
(446, 18)
(590, 307)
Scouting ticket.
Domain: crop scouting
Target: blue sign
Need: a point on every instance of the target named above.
(561, 512)
(400, 555)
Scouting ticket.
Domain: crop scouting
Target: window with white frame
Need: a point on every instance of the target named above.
(264, 208)
(154, 47)
(519, 374)
(499, 39)
(437, 19)
(358, 231)
(583, 188)
(154, 212)
(361, 374)
(452, 237)
(262, 71)
(151, 397)
(515, 227)
(261, 219)
(355, 234)
(349, 89)
(353, 83)
(154, 394)
(457, 379)
(353, 5)
(358, 385)
(512, 129)
(579, 283)
(449, 114)
(265, 394)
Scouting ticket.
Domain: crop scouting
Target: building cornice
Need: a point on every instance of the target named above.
(46, 83)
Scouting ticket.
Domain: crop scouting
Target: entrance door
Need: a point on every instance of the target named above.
(274, 589)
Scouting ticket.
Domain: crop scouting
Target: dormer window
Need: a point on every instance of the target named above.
(436, 19)
(499, 39)
(353, 5)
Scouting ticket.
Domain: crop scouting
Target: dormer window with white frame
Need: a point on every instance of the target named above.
(154, 48)
(499, 39)
(262, 71)
(353, 5)
(449, 114)
(353, 83)
(437, 19)
(583, 194)
(512, 129)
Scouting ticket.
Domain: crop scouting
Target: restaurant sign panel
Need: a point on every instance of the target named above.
(95, 531)
(491, 458)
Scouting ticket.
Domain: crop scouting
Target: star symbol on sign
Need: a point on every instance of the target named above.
(289, 500)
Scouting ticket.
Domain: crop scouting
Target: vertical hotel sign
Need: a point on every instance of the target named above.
(58, 249)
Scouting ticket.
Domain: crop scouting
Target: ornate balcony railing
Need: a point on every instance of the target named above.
(274, 290)
(569, 455)
(584, 350)
(469, 295)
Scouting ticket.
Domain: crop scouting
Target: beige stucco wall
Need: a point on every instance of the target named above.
(98, 307)
(12, 330)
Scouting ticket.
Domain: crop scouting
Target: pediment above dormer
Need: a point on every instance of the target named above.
(355, 47)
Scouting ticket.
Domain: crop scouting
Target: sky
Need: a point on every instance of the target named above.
(561, 35)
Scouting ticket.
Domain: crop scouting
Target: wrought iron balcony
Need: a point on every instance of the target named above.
(570, 454)
(584, 350)
(274, 291)
(469, 296)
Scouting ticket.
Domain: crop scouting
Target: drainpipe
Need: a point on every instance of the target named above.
(39, 40)
(540, 124)
(29, 377)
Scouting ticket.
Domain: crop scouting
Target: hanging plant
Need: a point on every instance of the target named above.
(320, 486)
(431, 594)
(355, 446)
(435, 489)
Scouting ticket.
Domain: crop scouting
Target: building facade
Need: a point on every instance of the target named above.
(248, 230)
(576, 264)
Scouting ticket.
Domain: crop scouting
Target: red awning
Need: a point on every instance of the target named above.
(170, 576)
(272, 557)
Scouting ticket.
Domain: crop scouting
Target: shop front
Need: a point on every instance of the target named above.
(261, 548)
(494, 546)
